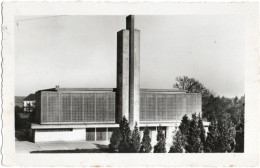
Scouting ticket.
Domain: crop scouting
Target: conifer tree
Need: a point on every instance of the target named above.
(178, 143)
(227, 135)
(146, 146)
(184, 127)
(202, 131)
(135, 140)
(160, 146)
(124, 144)
(115, 140)
(211, 144)
(221, 136)
(193, 139)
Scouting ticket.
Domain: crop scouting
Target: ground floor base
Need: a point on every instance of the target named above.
(102, 132)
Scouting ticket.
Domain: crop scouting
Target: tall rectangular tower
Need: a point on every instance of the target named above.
(128, 73)
(134, 68)
(122, 94)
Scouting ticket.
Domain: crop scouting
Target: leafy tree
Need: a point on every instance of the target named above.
(213, 106)
(115, 140)
(18, 122)
(240, 131)
(194, 144)
(191, 85)
(135, 140)
(160, 146)
(178, 143)
(146, 146)
(225, 114)
(124, 145)
(194, 86)
(239, 138)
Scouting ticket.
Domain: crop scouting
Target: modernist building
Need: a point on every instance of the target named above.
(92, 114)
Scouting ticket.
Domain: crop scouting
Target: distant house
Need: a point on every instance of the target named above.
(19, 101)
(29, 103)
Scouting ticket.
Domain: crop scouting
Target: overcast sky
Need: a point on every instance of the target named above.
(80, 51)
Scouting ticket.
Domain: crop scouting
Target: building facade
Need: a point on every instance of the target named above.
(91, 114)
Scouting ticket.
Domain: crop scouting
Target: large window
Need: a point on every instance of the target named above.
(77, 107)
(167, 106)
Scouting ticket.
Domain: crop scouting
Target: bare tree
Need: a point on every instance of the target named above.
(191, 85)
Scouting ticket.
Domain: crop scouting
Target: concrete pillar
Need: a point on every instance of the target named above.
(107, 134)
(169, 133)
(95, 137)
(122, 98)
(134, 72)
(128, 73)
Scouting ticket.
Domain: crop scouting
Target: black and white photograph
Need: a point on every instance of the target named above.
(131, 83)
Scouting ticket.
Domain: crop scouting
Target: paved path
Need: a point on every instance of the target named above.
(91, 146)
(27, 147)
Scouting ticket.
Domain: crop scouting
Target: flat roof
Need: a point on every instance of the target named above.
(77, 89)
(85, 89)
(162, 90)
(111, 90)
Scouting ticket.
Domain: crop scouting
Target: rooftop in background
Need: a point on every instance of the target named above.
(30, 97)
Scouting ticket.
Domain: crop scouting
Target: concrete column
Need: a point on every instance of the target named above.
(169, 133)
(107, 134)
(122, 98)
(134, 74)
(95, 137)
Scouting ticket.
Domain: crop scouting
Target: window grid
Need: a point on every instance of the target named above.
(89, 107)
(53, 107)
(161, 107)
(65, 108)
(44, 107)
(77, 107)
(150, 107)
(100, 107)
(170, 107)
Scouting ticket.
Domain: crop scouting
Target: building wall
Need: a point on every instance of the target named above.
(78, 107)
(60, 135)
(38, 103)
(103, 133)
(69, 107)
(73, 134)
(168, 107)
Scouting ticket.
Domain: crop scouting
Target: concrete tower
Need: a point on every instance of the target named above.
(128, 73)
